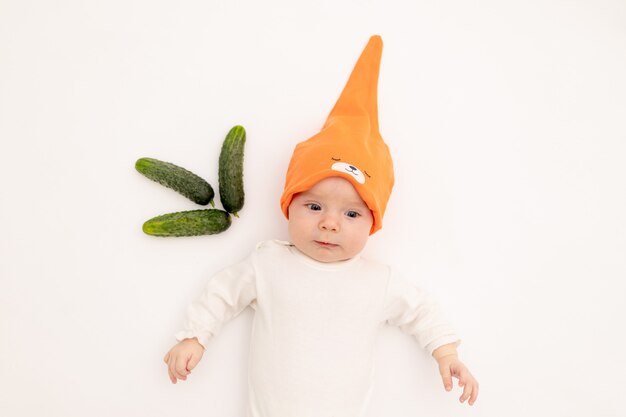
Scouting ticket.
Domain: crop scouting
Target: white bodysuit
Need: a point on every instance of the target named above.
(315, 327)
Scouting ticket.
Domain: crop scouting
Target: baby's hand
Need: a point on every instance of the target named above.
(450, 366)
(182, 358)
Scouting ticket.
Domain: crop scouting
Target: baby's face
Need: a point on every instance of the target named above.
(329, 222)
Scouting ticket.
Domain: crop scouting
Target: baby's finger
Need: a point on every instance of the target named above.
(474, 394)
(467, 391)
(170, 366)
(170, 369)
(193, 361)
(447, 378)
(462, 375)
(172, 377)
(180, 368)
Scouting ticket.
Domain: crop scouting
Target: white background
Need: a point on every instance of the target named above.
(506, 121)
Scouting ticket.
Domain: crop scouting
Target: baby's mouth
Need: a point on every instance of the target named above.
(326, 244)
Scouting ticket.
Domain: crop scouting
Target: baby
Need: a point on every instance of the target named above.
(318, 304)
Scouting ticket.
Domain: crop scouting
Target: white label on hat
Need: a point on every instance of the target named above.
(350, 169)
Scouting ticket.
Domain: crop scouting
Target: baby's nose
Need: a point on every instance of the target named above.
(329, 223)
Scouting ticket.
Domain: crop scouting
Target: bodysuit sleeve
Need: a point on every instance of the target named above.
(226, 294)
(416, 313)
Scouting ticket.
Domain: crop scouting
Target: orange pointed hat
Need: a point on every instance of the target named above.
(349, 144)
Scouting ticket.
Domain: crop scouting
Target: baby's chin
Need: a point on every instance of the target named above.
(323, 253)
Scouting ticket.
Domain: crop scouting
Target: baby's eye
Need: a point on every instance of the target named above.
(314, 207)
(352, 214)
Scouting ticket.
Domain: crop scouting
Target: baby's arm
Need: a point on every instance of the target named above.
(450, 366)
(182, 358)
(418, 314)
(226, 294)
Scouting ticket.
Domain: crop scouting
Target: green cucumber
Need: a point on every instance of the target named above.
(188, 223)
(178, 179)
(230, 172)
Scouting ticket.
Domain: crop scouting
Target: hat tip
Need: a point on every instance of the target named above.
(376, 38)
